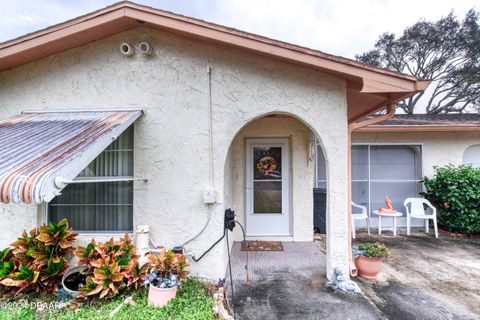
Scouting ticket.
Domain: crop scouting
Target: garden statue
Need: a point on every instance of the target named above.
(389, 208)
(340, 281)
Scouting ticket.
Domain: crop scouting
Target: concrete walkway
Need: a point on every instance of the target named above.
(291, 285)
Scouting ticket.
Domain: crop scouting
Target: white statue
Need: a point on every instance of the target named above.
(340, 281)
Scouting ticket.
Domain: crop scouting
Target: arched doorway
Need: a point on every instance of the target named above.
(269, 179)
(297, 127)
(269, 175)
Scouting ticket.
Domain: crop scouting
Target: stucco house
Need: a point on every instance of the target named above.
(134, 116)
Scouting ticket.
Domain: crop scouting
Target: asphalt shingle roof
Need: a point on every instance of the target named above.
(459, 119)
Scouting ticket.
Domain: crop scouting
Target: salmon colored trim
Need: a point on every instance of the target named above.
(258, 38)
(357, 125)
(422, 128)
(9, 122)
(114, 18)
(392, 98)
(365, 83)
(352, 127)
(6, 182)
(27, 186)
(130, 9)
(372, 79)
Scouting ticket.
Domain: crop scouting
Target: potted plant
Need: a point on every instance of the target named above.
(167, 270)
(369, 258)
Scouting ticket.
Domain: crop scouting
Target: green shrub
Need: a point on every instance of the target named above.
(455, 192)
(38, 259)
(111, 267)
(373, 250)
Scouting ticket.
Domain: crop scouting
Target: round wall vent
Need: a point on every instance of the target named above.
(145, 48)
(126, 49)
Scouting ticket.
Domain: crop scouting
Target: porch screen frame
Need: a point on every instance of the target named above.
(369, 180)
(320, 182)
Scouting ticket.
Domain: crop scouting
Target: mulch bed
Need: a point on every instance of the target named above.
(262, 246)
(457, 234)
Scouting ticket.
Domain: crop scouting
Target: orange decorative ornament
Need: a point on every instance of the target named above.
(389, 208)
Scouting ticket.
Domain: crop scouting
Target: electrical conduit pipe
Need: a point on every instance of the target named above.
(352, 127)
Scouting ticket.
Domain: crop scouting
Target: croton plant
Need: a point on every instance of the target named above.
(167, 263)
(167, 269)
(110, 267)
(38, 258)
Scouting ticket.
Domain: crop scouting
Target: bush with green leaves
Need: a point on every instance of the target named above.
(38, 259)
(455, 192)
(111, 267)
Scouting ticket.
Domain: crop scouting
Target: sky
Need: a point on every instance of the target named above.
(340, 27)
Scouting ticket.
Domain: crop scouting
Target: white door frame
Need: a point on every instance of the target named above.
(268, 224)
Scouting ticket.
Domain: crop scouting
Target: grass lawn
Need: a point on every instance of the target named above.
(192, 303)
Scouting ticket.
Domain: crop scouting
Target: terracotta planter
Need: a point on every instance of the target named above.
(368, 268)
(159, 297)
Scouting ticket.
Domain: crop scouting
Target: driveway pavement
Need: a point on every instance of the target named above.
(426, 278)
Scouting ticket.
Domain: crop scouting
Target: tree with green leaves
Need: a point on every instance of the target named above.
(446, 52)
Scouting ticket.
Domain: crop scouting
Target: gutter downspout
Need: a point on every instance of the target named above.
(352, 127)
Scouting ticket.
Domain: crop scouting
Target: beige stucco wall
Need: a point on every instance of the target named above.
(302, 171)
(438, 148)
(171, 139)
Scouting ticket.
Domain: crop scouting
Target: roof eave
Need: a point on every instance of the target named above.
(370, 78)
(371, 88)
(417, 128)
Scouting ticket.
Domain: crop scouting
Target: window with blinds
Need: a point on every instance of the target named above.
(102, 206)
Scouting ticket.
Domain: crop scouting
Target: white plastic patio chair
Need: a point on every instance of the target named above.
(359, 216)
(417, 211)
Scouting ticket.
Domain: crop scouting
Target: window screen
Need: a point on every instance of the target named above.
(379, 171)
(395, 171)
(385, 170)
(321, 170)
(100, 206)
(360, 183)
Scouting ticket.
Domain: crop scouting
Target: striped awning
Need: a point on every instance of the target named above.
(38, 147)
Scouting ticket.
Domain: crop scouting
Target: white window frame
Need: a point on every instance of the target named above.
(100, 232)
(42, 209)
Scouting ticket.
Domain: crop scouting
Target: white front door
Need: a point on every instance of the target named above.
(268, 187)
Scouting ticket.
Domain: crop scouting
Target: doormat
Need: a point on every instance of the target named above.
(262, 246)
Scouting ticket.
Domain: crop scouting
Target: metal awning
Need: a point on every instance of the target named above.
(37, 147)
